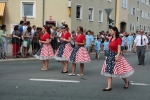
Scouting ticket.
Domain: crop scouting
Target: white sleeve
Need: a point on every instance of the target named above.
(146, 40)
(135, 39)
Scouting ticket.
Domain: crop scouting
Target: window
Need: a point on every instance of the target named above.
(78, 12)
(146, 15)
(140, 27)
(100, 17)
(137, 21)
(109, 0)
(144, 28)
(28, 9)
(148, 28)
(138, 4)
(142, 14)
(143, 1)
(132, 11)
(124, 3)
(147, 2)
(132, 27)
(91, 14)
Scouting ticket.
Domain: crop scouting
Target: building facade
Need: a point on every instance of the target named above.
(89, 14)
(133, 15)
(38, 12)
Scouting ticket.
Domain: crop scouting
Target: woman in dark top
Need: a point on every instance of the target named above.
(16, 37)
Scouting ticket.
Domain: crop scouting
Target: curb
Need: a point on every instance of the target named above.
(19, 59)
(26, 59)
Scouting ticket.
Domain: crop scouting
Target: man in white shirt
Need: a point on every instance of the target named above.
(141, 44)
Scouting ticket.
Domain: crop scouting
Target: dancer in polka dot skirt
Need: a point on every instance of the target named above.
(116, 65)
(79, 54)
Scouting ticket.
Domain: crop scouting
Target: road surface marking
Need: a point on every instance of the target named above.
(131, 81)
(54, 80)
(143, 84)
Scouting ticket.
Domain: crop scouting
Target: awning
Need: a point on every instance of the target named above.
(2, 7)
(50, 21)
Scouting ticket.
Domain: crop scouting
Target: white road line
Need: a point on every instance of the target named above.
(143, 84)
(54, 80)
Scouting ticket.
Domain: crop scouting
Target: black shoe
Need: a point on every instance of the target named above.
(64, 72)
(139, 64)
(107, 89)
(126, 87)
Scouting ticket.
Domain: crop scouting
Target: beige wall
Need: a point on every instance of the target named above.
(13, 13)
(96, 4)
(58, 9)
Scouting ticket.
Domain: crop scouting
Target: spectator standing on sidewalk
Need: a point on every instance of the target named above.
(25, 19)
(21, 27)
(106, 47)
(25, 26)
(130, 42)
(0, 43)
(26, 41)
(21, 32)
(59, 33)
(89, 41)
(54, 39)
(123, 43)
(35, 41)
(16, 36)
(5, 36)
(141, 43)
(97, 48)
(33, 31)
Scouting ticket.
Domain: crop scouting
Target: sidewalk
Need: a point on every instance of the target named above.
(10, 59)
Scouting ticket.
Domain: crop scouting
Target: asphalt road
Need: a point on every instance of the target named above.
(15, 83)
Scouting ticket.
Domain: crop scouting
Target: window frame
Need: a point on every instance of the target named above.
(132, 27)
(109, 0)
(22, 9)
(101, 15)
(124, 4)
(133, 9)
(81, 11)
(92, 14)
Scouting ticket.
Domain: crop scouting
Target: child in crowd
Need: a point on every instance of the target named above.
(123, 43)
(106, 47)
(98, 48)
(73, 35)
